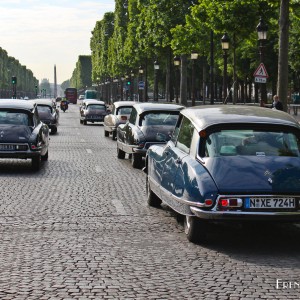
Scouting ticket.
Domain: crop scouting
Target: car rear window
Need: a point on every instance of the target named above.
(159, 118)
(252, 142)
(44, 109)
(124, 110)
(15, 118)
(96, 106)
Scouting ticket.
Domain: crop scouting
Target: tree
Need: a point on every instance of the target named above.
(283, 67)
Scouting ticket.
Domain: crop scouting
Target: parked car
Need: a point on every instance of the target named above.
(92, 110)
(148, 124)
(22, 134)
(227, 163)
(119, 115)
(81, 97)
(48, 113)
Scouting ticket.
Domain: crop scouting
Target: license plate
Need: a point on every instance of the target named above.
(265, 203)
(7, 147)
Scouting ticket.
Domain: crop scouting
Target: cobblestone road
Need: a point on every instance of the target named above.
(80, 229)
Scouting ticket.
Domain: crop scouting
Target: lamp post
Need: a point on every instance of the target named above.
(156, 68)
(225, 46)
(141, 72)
(132, 85)
(262, 30)
(194, 56)
(176, 64)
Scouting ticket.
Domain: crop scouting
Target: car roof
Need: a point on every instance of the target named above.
(16, 104)
(208, 115)
(123, 103)
(48, 102)
(148, 106)
(93, 101)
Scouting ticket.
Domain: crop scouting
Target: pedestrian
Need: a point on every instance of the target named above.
(277, 103)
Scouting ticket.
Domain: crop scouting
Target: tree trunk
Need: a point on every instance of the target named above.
(282, 82)
(183, 81)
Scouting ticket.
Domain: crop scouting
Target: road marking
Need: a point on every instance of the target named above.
(119, 206)
(98, 169)
(89, 151)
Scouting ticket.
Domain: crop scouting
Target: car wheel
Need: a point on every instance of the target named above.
(152, 199)
(137, 160)
(84, 122)
(120, 153)
(45, 157)
(106, 133)
(114, 135)
(36, 163)
(194, 229)
(54, 130)
(80, 121)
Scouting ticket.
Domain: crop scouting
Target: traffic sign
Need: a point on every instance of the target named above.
(141, 85)
(261, 71)
(260, 79)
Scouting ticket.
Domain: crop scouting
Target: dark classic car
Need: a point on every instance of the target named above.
(92, 110)
(227, 163)
(119, 115)
(148, 124)
(22, 134)
(48, 113)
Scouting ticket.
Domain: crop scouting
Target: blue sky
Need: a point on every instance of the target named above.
(41, 34)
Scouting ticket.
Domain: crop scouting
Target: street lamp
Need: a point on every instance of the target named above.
(262, 30)
(194, 56)
(131, 84)
(156, 68)
(177, 62)
(225, 46)
(141, 72)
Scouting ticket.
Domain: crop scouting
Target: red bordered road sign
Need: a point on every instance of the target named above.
(261, 71)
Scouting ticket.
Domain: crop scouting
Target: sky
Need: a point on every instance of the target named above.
(43, 33)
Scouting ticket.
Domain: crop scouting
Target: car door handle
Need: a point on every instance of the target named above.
(178, 161)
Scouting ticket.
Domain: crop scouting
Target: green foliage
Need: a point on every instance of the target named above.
(82, 74)
(9, 66)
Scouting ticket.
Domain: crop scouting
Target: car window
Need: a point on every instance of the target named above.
(124, 110)
(253, 143)
(133, 115)
(159, 118)
(185, 135)
(14, 118)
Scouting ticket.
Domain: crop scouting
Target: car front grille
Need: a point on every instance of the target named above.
(13, 147)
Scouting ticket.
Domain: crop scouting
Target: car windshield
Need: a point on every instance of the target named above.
(14, 118)
(250, 142)
(124, 110)
(159, 118)
(44, 109)
(96, 106)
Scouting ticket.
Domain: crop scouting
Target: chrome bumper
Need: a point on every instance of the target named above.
(245, 215)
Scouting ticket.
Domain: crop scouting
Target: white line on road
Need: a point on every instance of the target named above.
(119, 206)
(89, 151)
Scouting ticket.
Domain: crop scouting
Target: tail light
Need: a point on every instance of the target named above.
(230, 203)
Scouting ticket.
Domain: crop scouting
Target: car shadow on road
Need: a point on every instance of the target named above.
(251, 241)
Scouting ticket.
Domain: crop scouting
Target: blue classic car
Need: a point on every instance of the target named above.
(148, 124)
(22, 134)
(227, 163)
